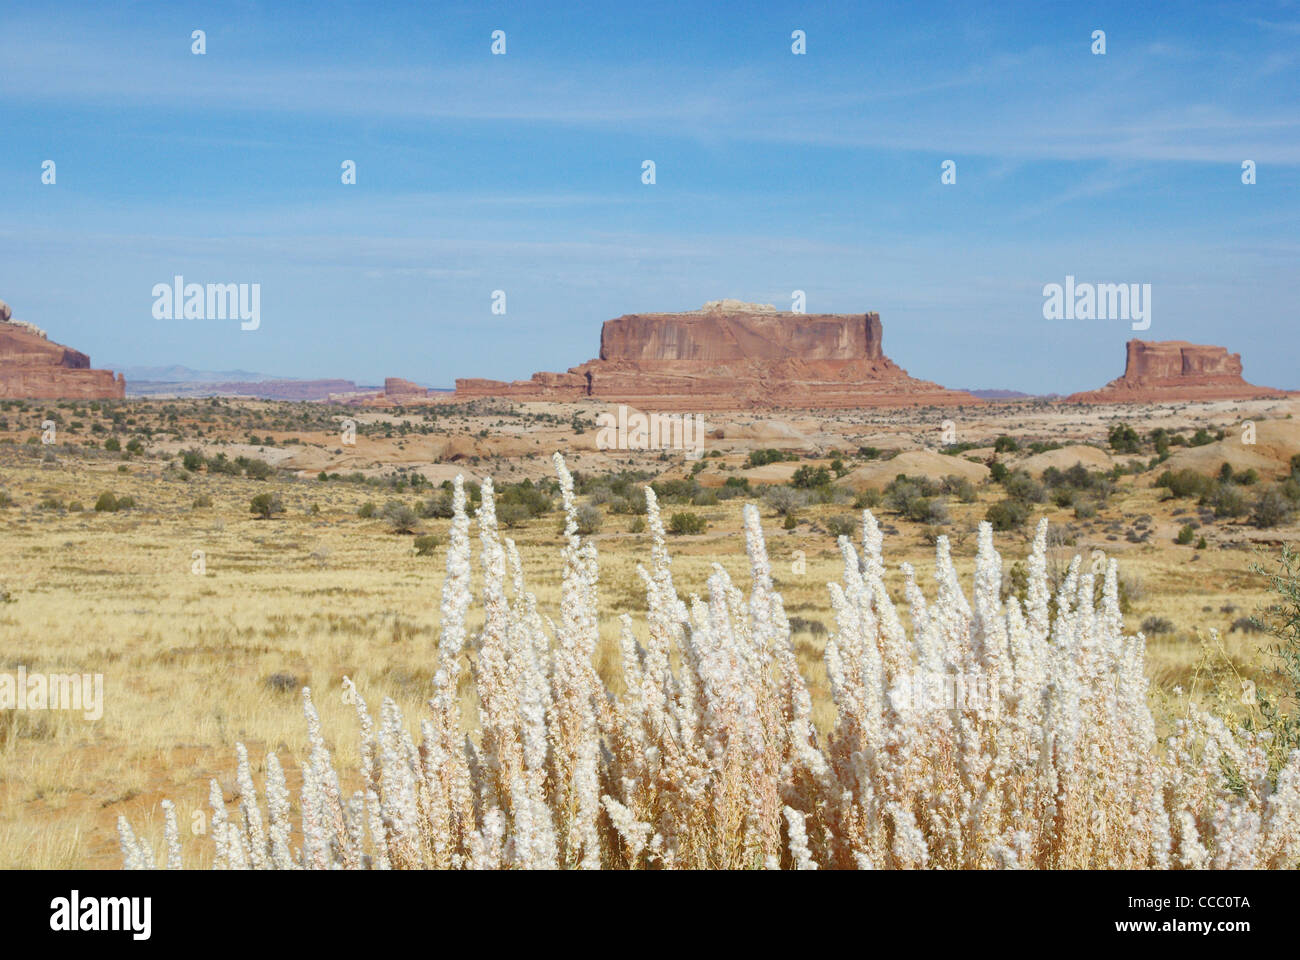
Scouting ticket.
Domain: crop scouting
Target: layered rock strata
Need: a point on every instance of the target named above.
(732, 355)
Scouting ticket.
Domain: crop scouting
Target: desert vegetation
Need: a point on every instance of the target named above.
(996, 733)
(319, 562)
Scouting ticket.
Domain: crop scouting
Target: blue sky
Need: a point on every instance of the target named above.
(774, 172)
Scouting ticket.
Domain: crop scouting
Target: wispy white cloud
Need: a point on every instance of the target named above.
(1038, 102)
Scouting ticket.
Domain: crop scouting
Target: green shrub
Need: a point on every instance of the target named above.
(401, 518)
(1226, 500)
(867, 500)
(1186, 483)
(681, 490)
(265, 505)
(221, 464)
(1007, 514)
(426, 544)
(1021, 486)
(366, 510)
(589, 519)
(759, 458)
(932, 511)
(959, 487)
(512, 514)
(785, 500)
(107, 503)
(1005, 444)
(686, 523)
(843, 525)
(808, 477)
(1185, 534)
(1270, 509)
(437, 507)
(524, 500)
(1123, 439)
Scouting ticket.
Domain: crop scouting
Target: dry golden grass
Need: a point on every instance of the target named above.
(193, 663)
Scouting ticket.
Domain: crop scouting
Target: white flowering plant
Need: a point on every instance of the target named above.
(710, 758)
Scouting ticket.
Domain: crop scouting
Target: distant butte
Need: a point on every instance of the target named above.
(1166, 370)
(33, 367)
(732, 355)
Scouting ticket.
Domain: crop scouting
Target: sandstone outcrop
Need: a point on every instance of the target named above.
(915, 463)
(397, 389)
(731, 355)
(1167, 370)
(33, 367)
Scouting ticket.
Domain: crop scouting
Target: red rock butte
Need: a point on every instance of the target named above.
(33, 367)
(397, 389)
(732, 355)
(1176, 370)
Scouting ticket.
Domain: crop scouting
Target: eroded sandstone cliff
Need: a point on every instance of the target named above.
(35, 367)
(1176, 370)
(728, 356)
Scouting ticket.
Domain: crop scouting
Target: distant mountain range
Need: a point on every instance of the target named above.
(182, 381)
(179, 374)
(1004, 395)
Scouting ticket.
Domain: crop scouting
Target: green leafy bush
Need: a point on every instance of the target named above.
(1007, 514)
(686, 523)
(265, 505)
(1123, 439)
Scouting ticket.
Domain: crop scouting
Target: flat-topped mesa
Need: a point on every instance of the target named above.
(397, 387)
(732, 355)
(33, 367)
(715, 336)
(1176, 370)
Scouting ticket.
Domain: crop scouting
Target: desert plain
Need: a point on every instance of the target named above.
(211, 557)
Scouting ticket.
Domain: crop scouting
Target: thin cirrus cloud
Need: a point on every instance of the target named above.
(1042, 100)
